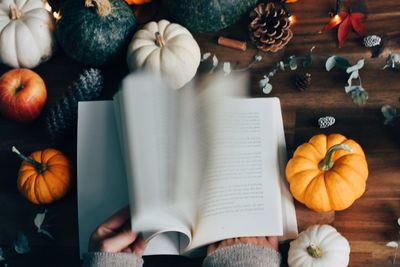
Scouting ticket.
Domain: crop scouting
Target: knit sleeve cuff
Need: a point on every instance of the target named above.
(243, 255)
(103, 259)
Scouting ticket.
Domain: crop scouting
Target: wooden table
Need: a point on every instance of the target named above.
(369, 224)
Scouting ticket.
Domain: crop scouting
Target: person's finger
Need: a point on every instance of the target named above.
(273, 240)
(118, 242)
(139, 246)
(127, 250)
(211, 248)
(118, 219)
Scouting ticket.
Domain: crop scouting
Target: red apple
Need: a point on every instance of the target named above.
(22, 95)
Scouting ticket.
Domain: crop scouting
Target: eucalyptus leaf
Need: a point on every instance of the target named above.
(214, 64)
(205, 56)
(354, 75)
(265, 85)
(358, 66)
(21, 244)
(342, 63)
(293, 63)
(392, 244)
(227, 68)
(392, 61)
(307, 61)
(257, 57)
(330, 63)
(38, 221)
(215, 61)
(390, 114)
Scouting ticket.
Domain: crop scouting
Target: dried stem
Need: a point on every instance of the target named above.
(103, 7)
(15, 13)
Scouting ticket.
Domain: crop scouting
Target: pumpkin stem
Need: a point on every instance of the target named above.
(15, 13)
(40, 168)
(159, 40)
(327, 163)
(314, 251)
(103, 7)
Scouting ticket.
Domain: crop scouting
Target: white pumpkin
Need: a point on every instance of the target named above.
(319, 246)
(167, 49)
(26, 33)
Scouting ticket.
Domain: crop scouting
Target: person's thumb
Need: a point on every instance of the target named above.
(118, 242)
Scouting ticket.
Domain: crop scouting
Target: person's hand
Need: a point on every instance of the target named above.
(262, 241)
(115, 235)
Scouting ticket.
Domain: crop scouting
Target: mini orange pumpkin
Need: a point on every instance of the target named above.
(328, 172)
(45, 176)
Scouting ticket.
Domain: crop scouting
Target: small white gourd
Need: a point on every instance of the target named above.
(319, 246)
(26, 33)
(167, 49)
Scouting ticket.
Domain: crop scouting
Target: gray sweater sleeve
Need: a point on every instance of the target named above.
(103, 259)
(243, 255)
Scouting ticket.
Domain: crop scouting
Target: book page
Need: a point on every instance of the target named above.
(146, 113)
(240, 188)
(99, 158)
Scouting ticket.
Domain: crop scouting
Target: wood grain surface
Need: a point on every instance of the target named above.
(369, 224)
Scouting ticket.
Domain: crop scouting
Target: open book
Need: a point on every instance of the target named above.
(195, 166)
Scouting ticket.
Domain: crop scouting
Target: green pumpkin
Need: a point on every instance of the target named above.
(208, 15)
(95, 32)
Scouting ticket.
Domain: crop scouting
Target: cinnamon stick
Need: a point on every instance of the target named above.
(232, 43)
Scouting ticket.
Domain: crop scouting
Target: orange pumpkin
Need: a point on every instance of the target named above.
(328, 172)
(137, 2)
(45, 176)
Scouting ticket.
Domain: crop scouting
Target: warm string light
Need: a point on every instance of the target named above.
(47, 6)
(292, 19)
(56, 15)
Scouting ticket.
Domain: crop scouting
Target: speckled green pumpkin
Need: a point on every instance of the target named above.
(208, 15)
(92, 39)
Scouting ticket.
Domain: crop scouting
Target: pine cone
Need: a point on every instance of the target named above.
(302, 81)
(269, 27)
(62, 117)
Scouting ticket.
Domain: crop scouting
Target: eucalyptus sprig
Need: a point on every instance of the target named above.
(390, 114)
(394, 244)
(357, 93)
(392, 62)
(292, 63)
(226, 66)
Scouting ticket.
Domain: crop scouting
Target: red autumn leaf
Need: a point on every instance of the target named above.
(344, 30)
(356, 22)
